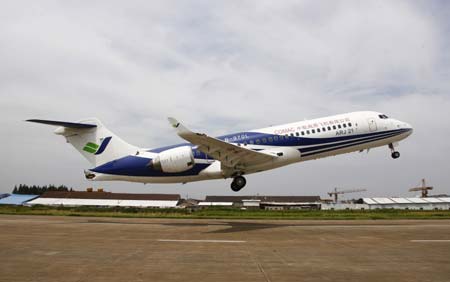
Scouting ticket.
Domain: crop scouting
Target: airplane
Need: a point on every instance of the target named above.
(204, 157)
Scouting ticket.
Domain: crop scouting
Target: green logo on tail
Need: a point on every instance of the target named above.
(91, 147)
(95, 148)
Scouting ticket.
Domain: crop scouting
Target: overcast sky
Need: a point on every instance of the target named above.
(222, 67)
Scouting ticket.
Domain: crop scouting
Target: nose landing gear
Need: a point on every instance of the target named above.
(238, 183)
(394, 154)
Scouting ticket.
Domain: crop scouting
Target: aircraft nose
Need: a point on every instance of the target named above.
(410, 128)
(405, 125)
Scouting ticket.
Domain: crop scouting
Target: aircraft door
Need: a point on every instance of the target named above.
(372, 124)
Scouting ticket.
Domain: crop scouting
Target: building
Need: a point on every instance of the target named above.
(431, 203)
(106, 199)
(263, 202)
(17, 199)
(344, 206)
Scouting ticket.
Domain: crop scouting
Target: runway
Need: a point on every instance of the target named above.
(39, 248)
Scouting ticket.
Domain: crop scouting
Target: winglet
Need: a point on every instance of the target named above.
(173, 122)
(181, 129)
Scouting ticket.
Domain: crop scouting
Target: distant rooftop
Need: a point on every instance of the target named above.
(393, 201)
(110, 196)
(283, 199)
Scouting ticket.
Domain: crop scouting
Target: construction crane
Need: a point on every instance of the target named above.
(337, 192)
(424, 189)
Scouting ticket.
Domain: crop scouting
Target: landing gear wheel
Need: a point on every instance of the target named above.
(395, 155)
(238, 183)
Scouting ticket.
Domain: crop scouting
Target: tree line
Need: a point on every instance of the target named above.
(38, 190)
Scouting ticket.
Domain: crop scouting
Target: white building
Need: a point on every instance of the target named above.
(106, 199)
(430, 203)
(263, 202)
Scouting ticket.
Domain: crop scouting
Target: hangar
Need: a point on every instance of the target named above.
(429, 203)
(263, 202)
(106, 199)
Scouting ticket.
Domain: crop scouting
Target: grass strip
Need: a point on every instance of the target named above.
(223, 213)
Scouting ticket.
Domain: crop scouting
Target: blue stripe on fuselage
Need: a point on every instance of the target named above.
(138, 166)
(277, 140)
(382, 135)
(332, 147)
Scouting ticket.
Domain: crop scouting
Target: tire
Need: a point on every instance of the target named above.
(234, 187)
(395, 155)
(238, 183)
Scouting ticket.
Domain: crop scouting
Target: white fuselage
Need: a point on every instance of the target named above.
(292, 142)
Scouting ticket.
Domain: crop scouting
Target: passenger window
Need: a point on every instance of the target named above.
(303, 133)
(270, 139)
(281, 137)
(329, 127)
(323, 129)
(275, 138)
(339, 126)
(350, 124)
(307, 132)
(264, 140)
(334, 126)
(251, 142)
(313, 131)
(344, 125)
(318, 129)
(258, 141)
(297, 134)
(292, 134)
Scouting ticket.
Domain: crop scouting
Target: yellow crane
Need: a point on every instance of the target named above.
(337, 192)
(424, 189)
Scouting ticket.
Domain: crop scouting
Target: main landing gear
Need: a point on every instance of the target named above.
(238, 183)
(394, 154)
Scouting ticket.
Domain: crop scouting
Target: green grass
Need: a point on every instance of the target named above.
(223, 213)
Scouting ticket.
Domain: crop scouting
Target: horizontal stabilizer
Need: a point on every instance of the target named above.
(63, 123)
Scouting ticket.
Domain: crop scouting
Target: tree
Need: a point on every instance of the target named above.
(38, 190)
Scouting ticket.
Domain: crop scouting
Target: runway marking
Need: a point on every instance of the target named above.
(202, 241)
(430, 241)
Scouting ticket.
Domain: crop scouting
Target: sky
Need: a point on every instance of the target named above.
(223, 67)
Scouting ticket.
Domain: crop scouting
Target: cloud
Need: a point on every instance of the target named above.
(224, 67)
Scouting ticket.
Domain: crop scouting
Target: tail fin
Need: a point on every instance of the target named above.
(93, 140)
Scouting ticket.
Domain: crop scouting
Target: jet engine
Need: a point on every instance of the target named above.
(174, 160)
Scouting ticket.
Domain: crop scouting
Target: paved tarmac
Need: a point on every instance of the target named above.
(39, 248)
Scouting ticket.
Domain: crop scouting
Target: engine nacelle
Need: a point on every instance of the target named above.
(174, 160)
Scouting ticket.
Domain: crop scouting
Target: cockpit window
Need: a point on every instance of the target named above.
(383, 116)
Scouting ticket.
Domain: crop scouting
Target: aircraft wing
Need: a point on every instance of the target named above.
(228, 154)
